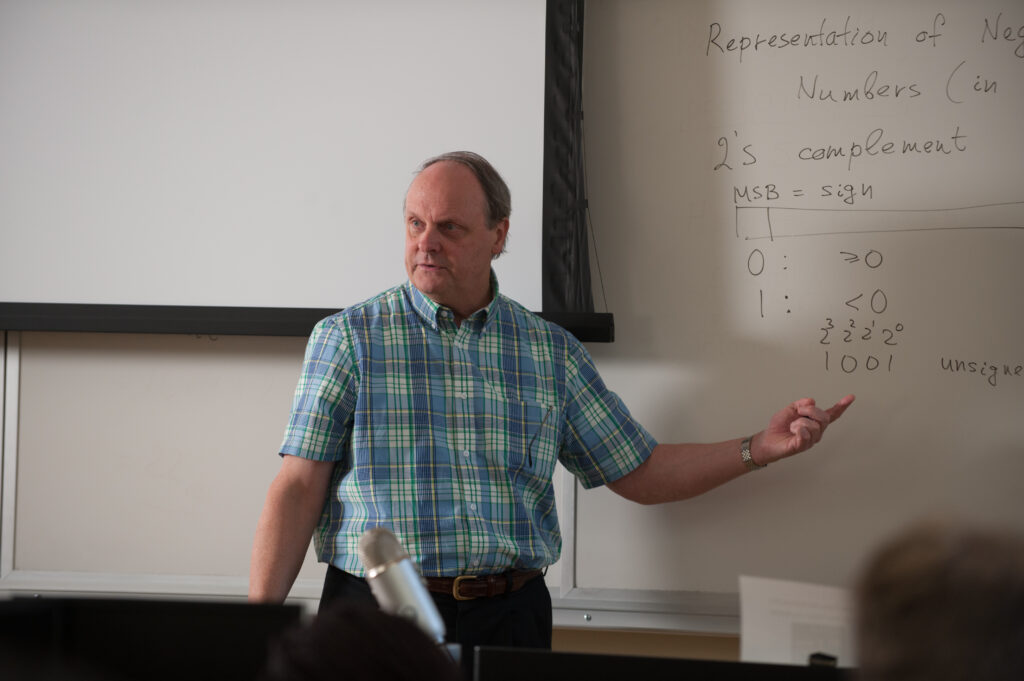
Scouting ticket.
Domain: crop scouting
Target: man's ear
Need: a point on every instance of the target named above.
(500, 235)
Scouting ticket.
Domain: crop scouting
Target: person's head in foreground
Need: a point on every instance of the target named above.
(943, 602)
(358, 643)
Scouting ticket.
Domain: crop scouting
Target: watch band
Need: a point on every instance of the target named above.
(748, 460)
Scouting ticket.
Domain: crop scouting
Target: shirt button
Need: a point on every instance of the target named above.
(472, 507)
(466, 453)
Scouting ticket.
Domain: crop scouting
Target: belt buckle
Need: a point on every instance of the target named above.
(455, 588)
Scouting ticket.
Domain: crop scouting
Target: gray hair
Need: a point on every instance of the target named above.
(943, 601)
(496, 193)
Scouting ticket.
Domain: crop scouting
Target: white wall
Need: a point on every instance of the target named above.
(141, 462)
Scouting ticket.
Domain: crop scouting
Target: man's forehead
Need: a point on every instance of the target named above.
(449, 175)
(445, 184)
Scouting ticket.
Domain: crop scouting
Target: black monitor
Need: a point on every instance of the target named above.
(518, 664)
(146, 639)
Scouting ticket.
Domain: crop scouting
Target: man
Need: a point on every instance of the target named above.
(439, 409)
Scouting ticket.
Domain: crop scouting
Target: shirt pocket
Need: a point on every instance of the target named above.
(523, 431)
(532, 441)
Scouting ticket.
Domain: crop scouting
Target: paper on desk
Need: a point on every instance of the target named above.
(785, 622)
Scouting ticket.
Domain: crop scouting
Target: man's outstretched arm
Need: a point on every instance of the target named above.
(679, 471)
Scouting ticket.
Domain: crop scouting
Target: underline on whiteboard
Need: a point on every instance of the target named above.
(881, 210)
(776, 222)
(893, 230)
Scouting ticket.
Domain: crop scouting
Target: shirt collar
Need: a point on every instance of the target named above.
(432, 312)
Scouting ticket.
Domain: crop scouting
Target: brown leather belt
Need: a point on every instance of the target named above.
(468, 587)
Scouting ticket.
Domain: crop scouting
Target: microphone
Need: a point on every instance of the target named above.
(395, 582)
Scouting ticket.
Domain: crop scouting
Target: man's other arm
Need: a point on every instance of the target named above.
(679, 471)
(290, 514)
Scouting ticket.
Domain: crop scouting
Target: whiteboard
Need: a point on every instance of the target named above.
(760, 241)
(238, 153)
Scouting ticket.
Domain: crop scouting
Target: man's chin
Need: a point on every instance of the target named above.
(429, 283)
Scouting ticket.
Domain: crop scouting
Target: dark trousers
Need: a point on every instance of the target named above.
(520, 619)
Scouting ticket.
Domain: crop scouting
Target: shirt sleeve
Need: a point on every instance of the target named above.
(325, 397)
(602, 442)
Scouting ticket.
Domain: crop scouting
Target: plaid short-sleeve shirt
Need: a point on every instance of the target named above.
(449, 435)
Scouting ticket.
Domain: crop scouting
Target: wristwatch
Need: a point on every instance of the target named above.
(748, 460)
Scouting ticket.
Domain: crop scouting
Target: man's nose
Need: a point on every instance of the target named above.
(430, 238)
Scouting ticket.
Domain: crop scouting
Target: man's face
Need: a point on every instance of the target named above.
(448, 243)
